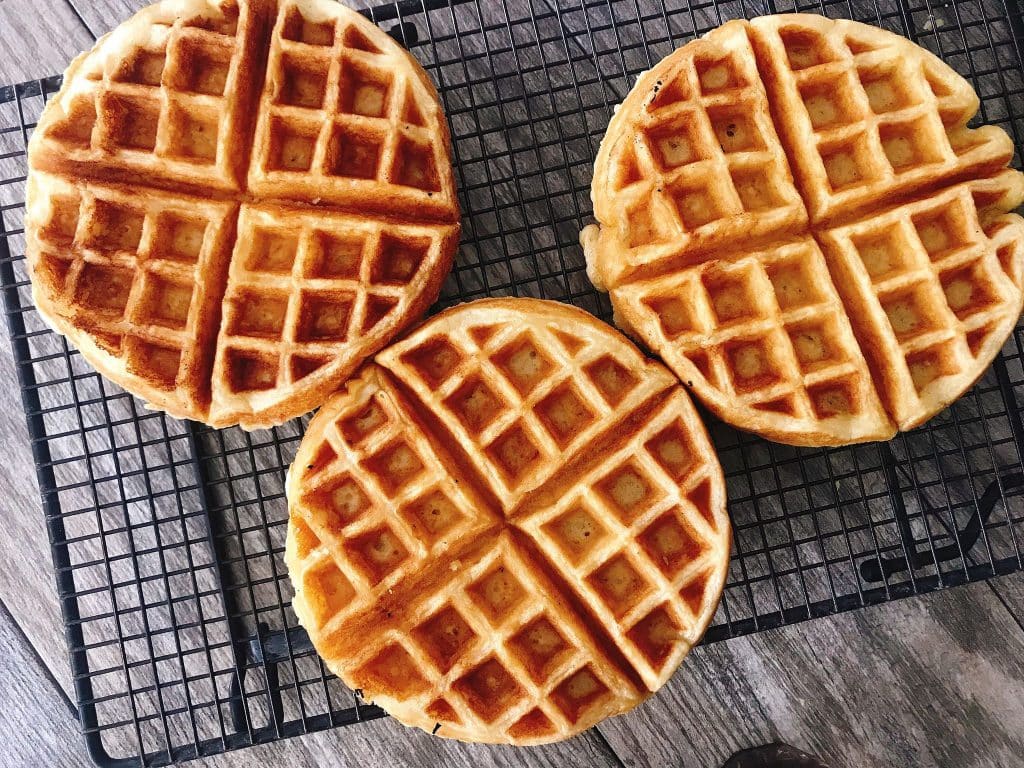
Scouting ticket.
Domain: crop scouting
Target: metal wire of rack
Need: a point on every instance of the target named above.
(167, 537)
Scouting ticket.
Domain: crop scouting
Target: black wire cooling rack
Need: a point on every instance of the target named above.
(168, 537)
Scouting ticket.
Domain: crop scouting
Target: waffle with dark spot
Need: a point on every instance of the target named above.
(509, 527)
(794, 214)
(264, 189)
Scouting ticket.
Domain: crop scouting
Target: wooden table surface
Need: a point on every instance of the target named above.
(932, 681)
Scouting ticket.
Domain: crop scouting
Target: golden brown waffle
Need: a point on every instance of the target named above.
(519, 400)
(134, 281)
(180, 145)
(867, 115)
(476, 602)
(691, 161)
(166, 96)
(765, 341)
(741, 300)
(935, 289)
(384, 144)
(303, 287)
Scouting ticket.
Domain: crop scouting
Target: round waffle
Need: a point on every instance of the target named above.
(508, 527)
(794, 216)
(232, 204)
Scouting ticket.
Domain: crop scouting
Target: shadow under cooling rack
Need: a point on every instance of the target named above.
(168, 537)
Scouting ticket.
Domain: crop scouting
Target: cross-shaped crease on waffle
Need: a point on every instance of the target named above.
(703, 179)
(587, 557)
(229, 155)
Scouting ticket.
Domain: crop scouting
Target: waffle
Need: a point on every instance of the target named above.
(508, 527)
(348, 117)
(133, 281)
(935, 287)
(874, 283)
(690, 162)
(200, 244)
(763, 339)
(868, 115)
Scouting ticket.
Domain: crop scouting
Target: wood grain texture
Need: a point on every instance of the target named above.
(102, 16)
(936, 681)
(37, 725)
(37, 38)
(27, 584)
(387, 743)
(930, 681)
(1010, 592)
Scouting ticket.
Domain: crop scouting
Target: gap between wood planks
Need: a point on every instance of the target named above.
(1009, 591)
(78, 16)
(6, 617)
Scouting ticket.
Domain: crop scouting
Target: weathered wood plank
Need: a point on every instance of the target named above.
(385, 743)
(934, 681)
(26, 579)
(863, 689)
(102, 16)
(40, 728)
(37, 725)
(38, 38)
(1010, 591)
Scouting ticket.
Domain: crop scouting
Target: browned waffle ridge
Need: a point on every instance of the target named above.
(795, 217)
(233, 203)
(508, 527)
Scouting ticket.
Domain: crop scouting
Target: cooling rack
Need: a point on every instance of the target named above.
(168, 537)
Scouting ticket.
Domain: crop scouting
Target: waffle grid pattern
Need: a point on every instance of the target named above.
(192, 81)
(529, 398)
(941, 293)
(147, 299)
(817, 532)
(656, 509)
(863, 117)
(303, 283)
(533, 675)
(165, 106)
(370, 465)
(866, 111)
(766, 330)
(708, 154)
(340, 120)
(657, 494)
